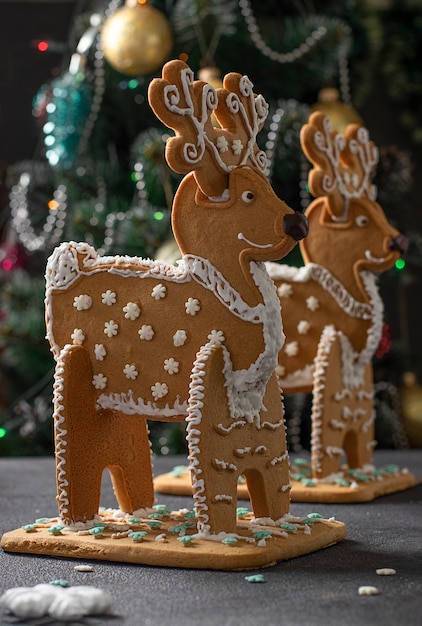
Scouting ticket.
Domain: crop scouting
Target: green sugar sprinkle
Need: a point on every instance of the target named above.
(29, 528)
(342, 482)
(242, 511)
(255, 578)
(241, 480)
(300, 462)
(186, 539)
(96, 531)
(262, 534)
(138, 536)
(55, 530)
(391, 468)
(189, 515)
(178, 471)
(229, 541)
(297, 476)
(42, 520)
(154, 523)
(308, 482)
(314, 516)
(134, 520)
(291, 528)
(60, 582)
(161, 508)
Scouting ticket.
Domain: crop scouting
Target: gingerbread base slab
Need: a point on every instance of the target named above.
(352, 486)
(176, 542)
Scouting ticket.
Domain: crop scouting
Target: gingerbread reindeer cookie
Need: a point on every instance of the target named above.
(137, 340)
(332, 315)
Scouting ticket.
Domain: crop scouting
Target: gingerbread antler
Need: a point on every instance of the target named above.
(342, 164)
(186, 106)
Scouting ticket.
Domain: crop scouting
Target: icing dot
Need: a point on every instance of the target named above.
(100, 351)
(99, 381)
(131, 311)
(216, 337)
(82, 302)
(108, 297)
(291, 348)
(179, 338)
(130, 371)
(110, 328)
(281, 370)
(192, 306)
(285, 290)
(303, 327)
(237, 146)
(78, 336)
(171, 365)
(222, 144)
(312, 303)
(159, 390)
(146, 332)
(159, 291)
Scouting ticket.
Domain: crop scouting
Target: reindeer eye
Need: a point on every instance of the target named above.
(361, 220)
(247, 196)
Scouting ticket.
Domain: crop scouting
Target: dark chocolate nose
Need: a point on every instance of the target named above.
(295, 225)
(399, 243)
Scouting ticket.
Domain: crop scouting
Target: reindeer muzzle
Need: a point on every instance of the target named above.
(295, 225)
(399, 243)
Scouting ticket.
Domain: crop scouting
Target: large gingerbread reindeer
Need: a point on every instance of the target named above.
(137, 340)
(332, 311)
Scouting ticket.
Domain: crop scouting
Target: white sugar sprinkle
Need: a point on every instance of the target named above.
(368, 590)
(386, 571)
(84, 568)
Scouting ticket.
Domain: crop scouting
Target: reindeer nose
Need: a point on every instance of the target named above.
(399, 243)
(295, 225)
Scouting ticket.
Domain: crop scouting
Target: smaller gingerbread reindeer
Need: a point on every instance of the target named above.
(332, 311)
(139, 340)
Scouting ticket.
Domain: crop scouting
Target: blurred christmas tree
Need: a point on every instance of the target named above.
(100, 175)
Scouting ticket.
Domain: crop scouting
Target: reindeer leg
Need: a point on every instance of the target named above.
(214, 480)
(267, 468)
(78, 473)
(329, 407)
(359, 441)
(129, 462)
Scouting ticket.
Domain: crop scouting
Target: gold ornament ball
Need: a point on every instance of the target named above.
(136, 39)
(339, 113)
(411, 401)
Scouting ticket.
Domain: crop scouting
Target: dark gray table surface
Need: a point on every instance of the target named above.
(320, 589)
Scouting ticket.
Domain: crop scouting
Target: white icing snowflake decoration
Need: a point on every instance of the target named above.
(146, 332)
(100, 352)
(159, 291)
(222, 144)
(303, 327)
(159, 390)
(130, 371)
(78, 336)
(237, 146)
(216, 337)
(285, 290)
(99, 381)
(82, 302)
(291, 348)
(312, 303)
(108, 297)
(179, 338)
(111, 328)
(131, 311)
(192, 306)
(171, 365)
